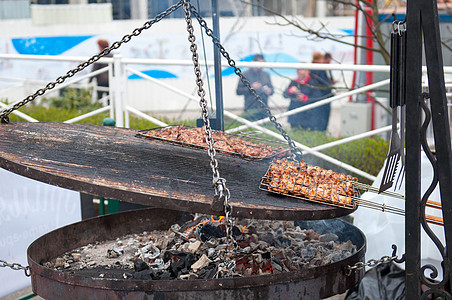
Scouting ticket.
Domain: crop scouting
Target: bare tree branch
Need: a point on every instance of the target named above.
(368, 8)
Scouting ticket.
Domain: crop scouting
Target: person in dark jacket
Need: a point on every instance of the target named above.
(102, 78)
(260, 81)
(323, 82)
(301, 92)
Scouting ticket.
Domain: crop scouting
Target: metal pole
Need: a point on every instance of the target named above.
(219, 124)
(118, 90)
(441, 129)
(413, 151)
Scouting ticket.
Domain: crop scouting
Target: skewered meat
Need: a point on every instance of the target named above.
(222, 141)
(311, 182)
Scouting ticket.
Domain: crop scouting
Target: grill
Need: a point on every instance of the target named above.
(296, 182)
(252, 140)
(313, 283)
(113, 163)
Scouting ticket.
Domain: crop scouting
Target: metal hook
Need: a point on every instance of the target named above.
(394, 254)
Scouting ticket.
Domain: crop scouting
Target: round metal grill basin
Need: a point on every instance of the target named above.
(312, 283)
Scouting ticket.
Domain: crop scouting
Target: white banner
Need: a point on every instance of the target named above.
(28, 210)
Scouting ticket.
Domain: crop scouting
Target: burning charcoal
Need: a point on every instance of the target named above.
(91, 263)
(162, 244)
(188, 276)
(278, 232)
(266, 255)
(201, 263)
(276, 225)
(143, 275)
(263, 245)
(348, 245)
(277, 265)
(250, 229)
(180, 262)
(59, 262)
(316, 261)
(140, 265)
(243, 242)
(166, 276)
(211, 252)
(76, 256)
(328, 237)
(208, 231)
(220, 247)
(311, 235)
(112, 253)
(308, 252)
(254, 246)
(258, 258)
(254, 238)
(268, 238)
(236, 231)
(208, 272)
(193, 247)
(284, 242)
(247, 250)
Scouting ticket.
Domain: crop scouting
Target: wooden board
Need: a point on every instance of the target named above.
(113, 163)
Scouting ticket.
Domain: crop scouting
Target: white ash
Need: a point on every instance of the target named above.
(264, 247)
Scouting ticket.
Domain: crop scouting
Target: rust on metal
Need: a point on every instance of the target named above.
(113, 163)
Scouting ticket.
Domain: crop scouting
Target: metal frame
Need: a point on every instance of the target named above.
(423, 29)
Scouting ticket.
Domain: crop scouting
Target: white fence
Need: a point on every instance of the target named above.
(118, 104)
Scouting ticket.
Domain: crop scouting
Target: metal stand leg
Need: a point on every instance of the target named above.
(422, 18)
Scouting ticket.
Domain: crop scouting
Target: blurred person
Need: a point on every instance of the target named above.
(323, 82)
(260, 81)
(301, 91)
(327, 58)
(102, 78)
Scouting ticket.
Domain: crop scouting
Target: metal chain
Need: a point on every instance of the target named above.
(15, 266)
(137, 31)
(296, 152)
(221, 191)
(370, 263)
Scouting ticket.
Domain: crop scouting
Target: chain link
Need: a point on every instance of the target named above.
(221, 191)
(16, 267)
(137, 31)
(296, 152)
(370, 263)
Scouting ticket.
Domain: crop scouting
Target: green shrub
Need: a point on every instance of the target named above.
(367, 154)
(74, 99)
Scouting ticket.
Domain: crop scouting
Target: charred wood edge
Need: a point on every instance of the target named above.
(252, 205)
(435, 286)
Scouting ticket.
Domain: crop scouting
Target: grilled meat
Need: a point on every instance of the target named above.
(311, 182)
(222, 141)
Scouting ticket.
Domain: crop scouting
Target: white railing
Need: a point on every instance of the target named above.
(120, 109)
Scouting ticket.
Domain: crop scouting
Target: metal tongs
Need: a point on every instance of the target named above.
(397, 97)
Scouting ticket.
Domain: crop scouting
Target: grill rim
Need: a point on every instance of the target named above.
(41, 276)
